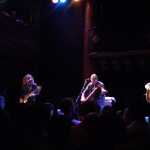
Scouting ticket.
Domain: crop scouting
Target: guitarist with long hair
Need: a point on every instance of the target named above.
(29, 89)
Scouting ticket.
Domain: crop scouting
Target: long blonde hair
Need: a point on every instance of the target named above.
(27, 78)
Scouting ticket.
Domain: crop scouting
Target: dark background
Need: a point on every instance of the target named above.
(50, 46)
(122, 52)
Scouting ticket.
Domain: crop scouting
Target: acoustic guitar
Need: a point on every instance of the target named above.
(89, 97)
(99, 88)
(24, 99)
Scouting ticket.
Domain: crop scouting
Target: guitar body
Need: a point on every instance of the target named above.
(24, 99)
(90, 96)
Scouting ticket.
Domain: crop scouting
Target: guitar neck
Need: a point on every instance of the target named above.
(91, 94)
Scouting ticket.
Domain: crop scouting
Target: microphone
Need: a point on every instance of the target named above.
(86, 81)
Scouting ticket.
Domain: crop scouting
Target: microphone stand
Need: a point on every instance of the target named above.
(77, 101)
(82, 89)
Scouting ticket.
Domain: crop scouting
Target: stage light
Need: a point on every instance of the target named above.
(76, 0)
(55, 1)
(63, 1)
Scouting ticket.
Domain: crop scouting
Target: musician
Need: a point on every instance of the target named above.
(29, 90)
(94, 91)
(147, 95)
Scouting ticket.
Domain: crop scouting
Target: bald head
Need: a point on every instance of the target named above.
(93, 77)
